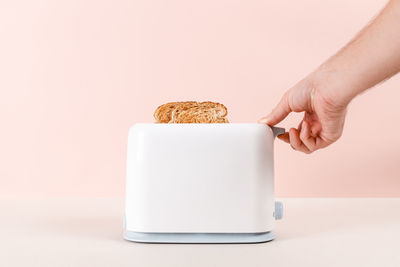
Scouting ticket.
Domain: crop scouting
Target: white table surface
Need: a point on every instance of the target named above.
(88, 232)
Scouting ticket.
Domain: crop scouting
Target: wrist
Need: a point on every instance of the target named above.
(338, 85)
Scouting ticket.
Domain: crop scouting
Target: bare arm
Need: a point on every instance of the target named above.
(371, 57)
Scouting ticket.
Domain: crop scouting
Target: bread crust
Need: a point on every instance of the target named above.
(191, 112)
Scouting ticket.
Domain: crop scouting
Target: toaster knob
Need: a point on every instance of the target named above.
(278, 213)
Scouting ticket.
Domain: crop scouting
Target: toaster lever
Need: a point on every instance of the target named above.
(277, 131)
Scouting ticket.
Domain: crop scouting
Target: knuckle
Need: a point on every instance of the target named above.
(287, 100)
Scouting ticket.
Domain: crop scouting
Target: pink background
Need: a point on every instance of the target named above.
(74, 75)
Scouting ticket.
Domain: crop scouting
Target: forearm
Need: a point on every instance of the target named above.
(371, 57)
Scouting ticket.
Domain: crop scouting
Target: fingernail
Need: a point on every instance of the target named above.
(263, 120)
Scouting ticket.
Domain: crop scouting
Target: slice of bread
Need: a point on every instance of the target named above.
(163, 112)
(191, 112)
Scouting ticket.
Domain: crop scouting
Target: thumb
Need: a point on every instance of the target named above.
(279, 112)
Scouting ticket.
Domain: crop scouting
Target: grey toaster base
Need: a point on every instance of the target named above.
(199, 238)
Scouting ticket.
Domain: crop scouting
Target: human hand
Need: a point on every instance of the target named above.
(370, 58)
(324, 114)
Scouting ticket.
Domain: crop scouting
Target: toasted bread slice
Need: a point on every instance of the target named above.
(182, 108)
(191, 112)
(220, 109)
(163, 112)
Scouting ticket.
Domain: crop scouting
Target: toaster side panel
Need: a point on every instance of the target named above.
(200, 178)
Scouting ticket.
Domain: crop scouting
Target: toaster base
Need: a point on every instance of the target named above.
(199, 238)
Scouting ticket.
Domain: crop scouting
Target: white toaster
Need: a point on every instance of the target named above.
(200, 183)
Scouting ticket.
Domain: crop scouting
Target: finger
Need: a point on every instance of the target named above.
(305, 136)
(284, 137)
(296, 142)
(315, 126)
(300, 126)
(279, 112)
